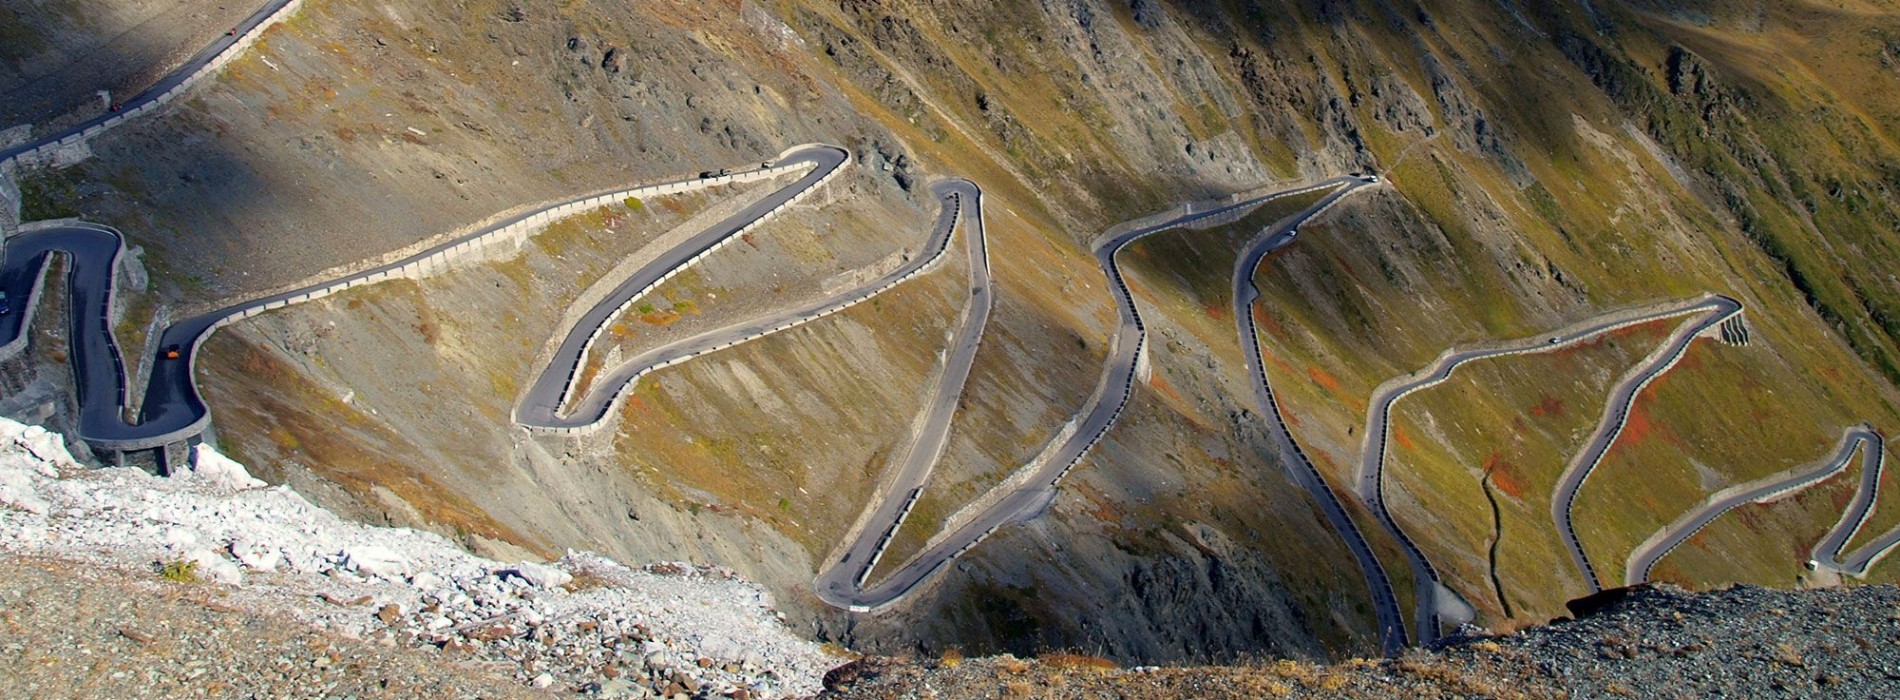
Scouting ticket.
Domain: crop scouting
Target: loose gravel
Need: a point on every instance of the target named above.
(1659, 642)
(583, 624)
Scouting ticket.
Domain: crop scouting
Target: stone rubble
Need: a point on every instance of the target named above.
(583, 623)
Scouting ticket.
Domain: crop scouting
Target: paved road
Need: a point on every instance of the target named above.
(176, 77)
(1103, 408)
(1615, 416)
(1377, 447)
(1827, 554)
(841, 583)
(1858, 439)
(172, 410)
(1386, 608)
(541, 406)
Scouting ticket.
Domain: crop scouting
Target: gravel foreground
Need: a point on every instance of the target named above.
(1660, 642)
(236, 589)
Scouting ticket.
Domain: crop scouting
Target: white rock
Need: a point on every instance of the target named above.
(212, 567)
(373, 560)
(425, 580)
(46, 448)
(439, 622)
(544, 680)
(180, 539)
(540, 575)
(16, 489)
(256, 556)
(220, 471)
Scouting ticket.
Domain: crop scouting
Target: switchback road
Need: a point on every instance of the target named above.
(1025, 502)
(172, 410)
(175, 80)
(841, 584)
(1616, 414)
(1391, 619)
(1375, 450)
(1767, 490)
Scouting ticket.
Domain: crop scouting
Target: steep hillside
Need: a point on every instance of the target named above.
(1543, 163)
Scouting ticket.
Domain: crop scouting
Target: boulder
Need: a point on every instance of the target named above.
(220, 471)
(539, 575)
(371, 560)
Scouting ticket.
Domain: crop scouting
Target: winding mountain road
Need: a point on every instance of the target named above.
(1827, 553)
(178, 79)
(1386, 609)
(1376, 448)
(1766, 490)
(173, 410)
(841, 584)
(1023, 503)
(1616, 415)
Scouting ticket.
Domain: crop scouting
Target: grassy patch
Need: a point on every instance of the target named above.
(47, 193)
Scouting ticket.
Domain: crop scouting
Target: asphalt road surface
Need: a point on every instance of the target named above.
(172, 409)
(1827, 554)
(1105, 405)
(173, 79)
(1371, 474)
(1859, 439)
(1615, 416)
(1391, 619)
(541, 405)
(841, 583)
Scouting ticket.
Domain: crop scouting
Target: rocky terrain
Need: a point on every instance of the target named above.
(1660, 642)
(1544, 162)
(217, 535)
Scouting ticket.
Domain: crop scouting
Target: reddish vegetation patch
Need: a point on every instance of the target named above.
(1669, 573)
(1216, 311)
(1165, 388)
(1548, 406)
(1639, 426)
(1326, 381)
(1404, 439)
(673, 205)
(1842, 497)
(1282, 365)
(661, 318)
(1504, 476)
(1268, 322)
(1640, 329)
(1292, 421)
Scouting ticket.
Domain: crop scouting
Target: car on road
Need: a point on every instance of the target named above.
(1553, 341)
(3, 304)
(171, 352)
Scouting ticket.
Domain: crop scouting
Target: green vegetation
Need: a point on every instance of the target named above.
(47, 193)
(179, 571)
